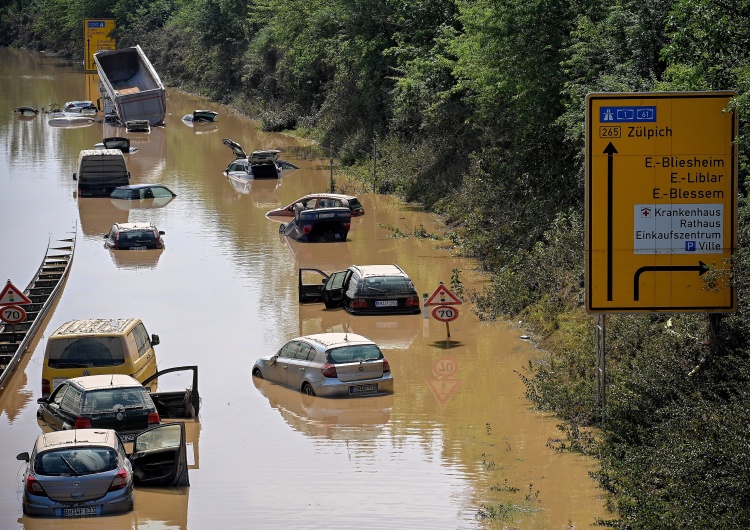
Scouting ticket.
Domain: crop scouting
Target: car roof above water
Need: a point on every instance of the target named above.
(76, 437)
(95, 326)
(379, 270)
(99, 382)
(332, 340)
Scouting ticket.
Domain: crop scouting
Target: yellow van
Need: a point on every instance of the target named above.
(100, 346)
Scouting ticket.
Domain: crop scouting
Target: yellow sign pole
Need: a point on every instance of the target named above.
(661, 202)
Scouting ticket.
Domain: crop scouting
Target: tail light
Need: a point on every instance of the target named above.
(347, 226)
(359, 303)
(329, 370)
(306, 229)
(386, 365)
(33, 487)
(120, 481)
(153, 418)
(158, 239)
(46, 387)
(117, 241)
(412, 301)
(82, 423)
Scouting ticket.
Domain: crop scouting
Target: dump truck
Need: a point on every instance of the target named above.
(130, 87)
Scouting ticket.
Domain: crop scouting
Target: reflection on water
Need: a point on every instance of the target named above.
(337, 419)
(225, 293)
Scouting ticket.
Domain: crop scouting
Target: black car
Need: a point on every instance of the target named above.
(321, 225)
(118, 402)
(362, 290)
(134, 236)
(135, 192)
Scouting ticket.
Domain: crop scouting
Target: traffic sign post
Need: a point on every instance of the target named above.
(11, 295)
(445, 313)
(444, 300)
(661, 202)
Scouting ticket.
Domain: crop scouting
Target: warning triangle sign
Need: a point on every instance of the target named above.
(442, 296)
(443, 389)
(12, 296)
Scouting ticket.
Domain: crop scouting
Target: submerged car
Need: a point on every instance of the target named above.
(314, 201)
(362, 290)
(118, 402)
(321, 225)
(87, 472)
(134, 236)
(262, 164)
(200, 116)
(80, 107)
(116, 142)
(142, 191)
(328, 365)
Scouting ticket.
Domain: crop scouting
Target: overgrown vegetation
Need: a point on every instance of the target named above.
(475, 108)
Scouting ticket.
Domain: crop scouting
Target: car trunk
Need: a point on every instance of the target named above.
(265, 171)
(359, 371)
(62, 489)
(122, 421)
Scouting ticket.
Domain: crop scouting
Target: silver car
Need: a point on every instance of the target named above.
(87, 472)
(328, 365)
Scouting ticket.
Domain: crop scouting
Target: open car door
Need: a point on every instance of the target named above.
(310, 283)
(159, 456)
(180, 403)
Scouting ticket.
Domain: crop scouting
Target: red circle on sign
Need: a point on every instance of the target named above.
(445, 313)
(12, 314)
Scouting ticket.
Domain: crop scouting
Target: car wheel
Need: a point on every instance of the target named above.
(257, 373)
(307, 389)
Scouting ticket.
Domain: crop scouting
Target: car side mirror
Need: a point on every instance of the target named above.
(23, 456)
(154, 340)
(42, 400)
(162, 232)
(273, 359)
(75, 176)
(106, 236)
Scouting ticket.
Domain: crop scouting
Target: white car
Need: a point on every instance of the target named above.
(329, 365)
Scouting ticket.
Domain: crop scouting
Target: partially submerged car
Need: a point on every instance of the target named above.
(200, 116)
(322, 225)
(138, 126)
(361, 289)
(116, 142)
(88, 472)
(85, 107)
(118, 402)
(261, 164)
(137, 192)
(313, 201)
(328, 365)
(26, 111)
(134, 236)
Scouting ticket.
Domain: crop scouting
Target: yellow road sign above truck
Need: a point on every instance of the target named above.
(661, 202)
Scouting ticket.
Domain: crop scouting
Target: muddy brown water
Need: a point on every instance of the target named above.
(456, 446)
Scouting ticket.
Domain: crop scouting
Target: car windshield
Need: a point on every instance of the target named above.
(386, 284)
(116, 399)
(76, 461)
(354, 353)
(85, 352)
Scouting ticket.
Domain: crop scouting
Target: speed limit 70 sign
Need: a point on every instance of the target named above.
(445, 313)
(12, 314)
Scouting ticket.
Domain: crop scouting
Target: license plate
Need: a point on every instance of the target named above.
(78, 512)
(127, 437)
(386, 303)
(363, 389)
(137, 248)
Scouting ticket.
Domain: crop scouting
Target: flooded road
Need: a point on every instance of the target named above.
(456, 445)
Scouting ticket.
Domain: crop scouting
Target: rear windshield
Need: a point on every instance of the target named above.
(354, 353)
(386, 284)
(85, 352)
(76, 461)
(116, 398)
(138, 235)
(354, 204)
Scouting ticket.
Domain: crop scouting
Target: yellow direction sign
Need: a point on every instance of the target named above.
(661, 202)
(96, 38)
